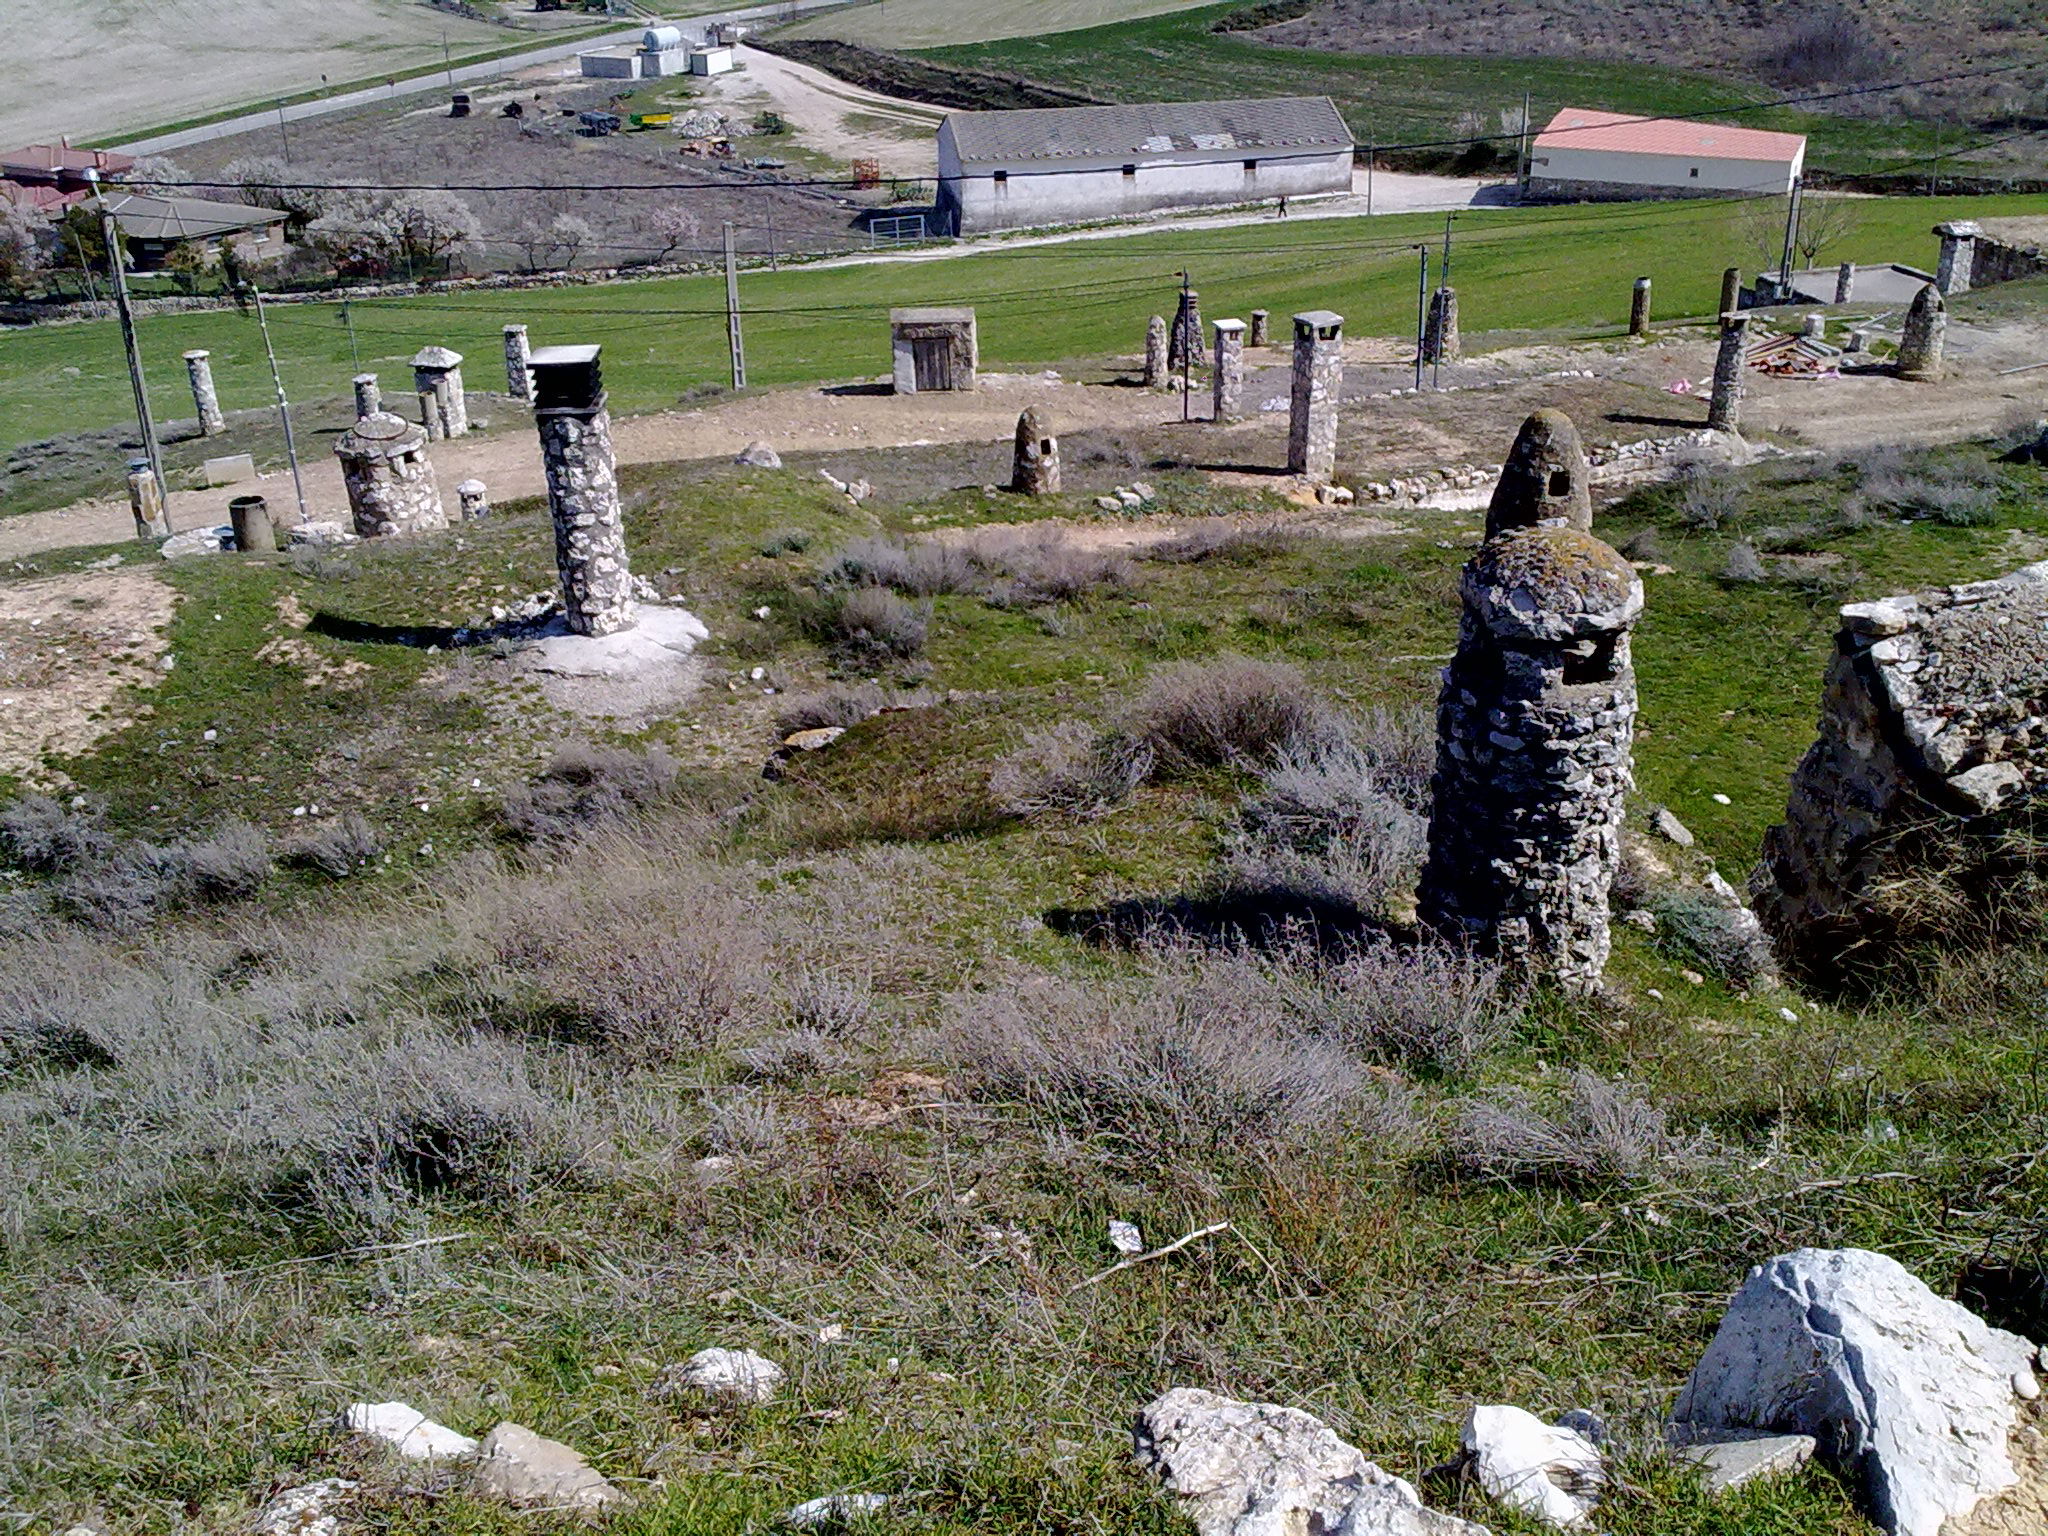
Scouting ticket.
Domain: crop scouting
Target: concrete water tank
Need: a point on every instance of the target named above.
(661, 39)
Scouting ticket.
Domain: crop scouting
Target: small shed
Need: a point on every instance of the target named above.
(1615, 156)
(933, 350)
(715, 60)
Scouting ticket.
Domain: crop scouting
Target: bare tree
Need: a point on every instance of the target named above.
(357, 234)
(434, 231)
(571, 236)
(1823, 222)
(672, 225)
(159, 176)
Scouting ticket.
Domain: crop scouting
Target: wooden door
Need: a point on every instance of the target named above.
(932, 356)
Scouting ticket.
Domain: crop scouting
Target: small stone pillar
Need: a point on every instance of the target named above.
(390, 481)
(1185, 343)
(1845, 282)
(147, 503)
(1921, 342)
(1440, 330)
(1155, 352)
(1859, 341)
(1724, 410)
(1545, 482)
(1958, 255)
(1731, 291)
(472, 500)
(1035, 467)
(1814, 326)
(583, 489)
(518, 382)
(431, 420)
(1535, 735)
(255, 534)
(369, 398)
(1227, 376)
(1318, 385)
(1639, 308)
(1258, 337)
(438, 371)
(205, 402)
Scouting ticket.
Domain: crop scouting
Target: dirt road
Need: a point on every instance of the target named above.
(840, 121)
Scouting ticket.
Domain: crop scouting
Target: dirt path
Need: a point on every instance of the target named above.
(70, 648)
(832, 117)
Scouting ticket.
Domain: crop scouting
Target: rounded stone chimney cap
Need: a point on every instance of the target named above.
(1927, 301)
(437, 357)
(1545, 478)
(380, 435)
(1551, 585)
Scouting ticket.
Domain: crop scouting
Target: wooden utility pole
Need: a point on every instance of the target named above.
(1522, 152)
(1421, 309)
(1187, 347)
(732, 312)
(1791, 230)
(117, 269)
(284, 410)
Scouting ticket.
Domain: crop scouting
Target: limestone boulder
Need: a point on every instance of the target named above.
(1909, 1397)
(835, 1509)
(308, 1510)
(406, 1430)
(1260, 1469)
(530, 1471)
(1545, 1471)
(758, 456)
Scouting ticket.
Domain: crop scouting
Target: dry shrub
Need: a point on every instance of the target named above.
(924, 568)
(1830, 47)
(41, 835)
(232, 863)
(1421, 1005)
(1708, 497)
(1196, 715)
(791, 1057)
(833, 707)
(1720, 939)
(1960, 493)
(831, 1001)
(338, 848)
(1042, 566)
(873, 624)
(1229, 539)
(1599, 1131)
(584, 786)
(1071, 770)
(1743, 565)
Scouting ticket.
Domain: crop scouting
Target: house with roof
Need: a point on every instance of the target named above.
(152, 227)
(51, 177)
(1599, 156)
(1062, 165)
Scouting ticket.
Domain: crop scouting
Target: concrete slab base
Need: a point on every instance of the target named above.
(638, 674)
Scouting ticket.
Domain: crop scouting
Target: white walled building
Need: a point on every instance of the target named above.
(1585, 155)
(1061, 165)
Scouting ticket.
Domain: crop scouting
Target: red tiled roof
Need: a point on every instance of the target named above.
(50, 200)
(1579, 128)
(48, 161)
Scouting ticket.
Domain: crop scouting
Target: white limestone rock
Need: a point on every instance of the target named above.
(1259, 1469)
(835, 1509)
(758, 456)
(302, 1511)
(530, 1471)
(406, 1430)
(737, 1374)
(1542, 1470)
(1911, 1398)
(1729, 1458)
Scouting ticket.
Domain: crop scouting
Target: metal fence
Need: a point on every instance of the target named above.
(896, 229)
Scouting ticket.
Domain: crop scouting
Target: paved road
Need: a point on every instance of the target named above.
(441, 80)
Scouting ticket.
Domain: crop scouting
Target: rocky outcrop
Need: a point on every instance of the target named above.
(1259, 1469)
(530, 1471)
(1912, 1399)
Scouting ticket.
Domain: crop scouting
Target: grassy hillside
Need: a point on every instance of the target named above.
(1553, 269)
(933, 23)
(1395, 99)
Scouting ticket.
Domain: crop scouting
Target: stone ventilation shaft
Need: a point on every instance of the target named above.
(1724, 408)
(205, 400)
(1155, 352)
(369, 398)
(390, 481)
(437, 376)
(1921, 796)
(1920, 343)
(583, 490)
(1184, 346)
(1440, 330)
(1535, 725)
(1317, 386)
(518, 376)
(1227, 376)
(1035, 467)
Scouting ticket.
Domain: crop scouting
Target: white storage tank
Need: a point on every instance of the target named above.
(661, 39)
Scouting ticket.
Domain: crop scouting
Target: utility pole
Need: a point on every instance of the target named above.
(1421, 309)
(773, 264)
(1187, 347)
(348, 319)
(1791, 228)
(1372, 154)
(447, 63)
(1522, 152)
(117, 268)
(732, 312)
(283, 133)
(284, 410)
(1436, 361)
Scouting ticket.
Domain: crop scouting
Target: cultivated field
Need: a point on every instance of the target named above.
(99, 68)
(933, 23)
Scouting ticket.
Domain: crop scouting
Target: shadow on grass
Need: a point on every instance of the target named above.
(1263, 918)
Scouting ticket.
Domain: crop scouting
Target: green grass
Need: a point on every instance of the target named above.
(1567, 270)
(1402, 99)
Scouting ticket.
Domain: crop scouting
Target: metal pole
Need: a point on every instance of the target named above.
(1445, 280)
(1421, 308)
(1785, 265)
(1522, 151)
(348, 319)
(1372, 154)
(284, 410)
(1187, 348)
(732, 313)
(283, 132)
(773, 264)
(111, 234)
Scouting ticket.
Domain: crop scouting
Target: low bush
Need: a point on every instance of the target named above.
(41, 835)
(337, 848)
(1033, 568)
(1720, 939)
(1961, 494)
(1325, 825)
(1227, 539)
(584, 786)
(231, 864)
(1597, 1131)
(1071, 770)
(1709, 498)
(834, 1001)
(1196, 715)
(923, 568)
(1743, 565)
(1407, 1005)
(872, 624)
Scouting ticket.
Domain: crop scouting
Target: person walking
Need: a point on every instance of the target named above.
(1283, 207)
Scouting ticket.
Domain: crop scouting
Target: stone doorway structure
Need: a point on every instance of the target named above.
(933, 350)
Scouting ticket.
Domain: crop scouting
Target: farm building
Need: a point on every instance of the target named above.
(662, 51)
(51, 177)
(1006, 170)
(1594, 156)
(155, 226)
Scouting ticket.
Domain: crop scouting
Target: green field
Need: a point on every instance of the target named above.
(1406, 99)
(1564, 270)
(934, 23)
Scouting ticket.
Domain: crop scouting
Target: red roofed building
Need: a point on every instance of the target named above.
(1588, 156)
(52, 176)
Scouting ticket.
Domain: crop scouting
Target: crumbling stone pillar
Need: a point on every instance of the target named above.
(1258, 337)
(369, 398)
(1184, 345)
(438, 371)
(518, 382)
(1155, 352)
(1920, 343)
(583, 490)
(1845, 282)
(472, 500)
(1724, 410)
(147, 503)
(1440, 330)
(1227, 376)
(1919, 805)
(1035, 466)
(1318, 385)
(1731, 291)
(1535, 734)
(1545, 482)
(431, 421)
(389, 478)
(205, 402)
(1639, 308)
(1958, 255)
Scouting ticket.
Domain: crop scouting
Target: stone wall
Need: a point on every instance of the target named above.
(1998, 262)
(1932, 755)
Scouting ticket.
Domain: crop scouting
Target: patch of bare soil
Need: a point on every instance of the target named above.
(70, 647)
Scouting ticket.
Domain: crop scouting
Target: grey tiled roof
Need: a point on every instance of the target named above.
(1149, 128)
(185, 218)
